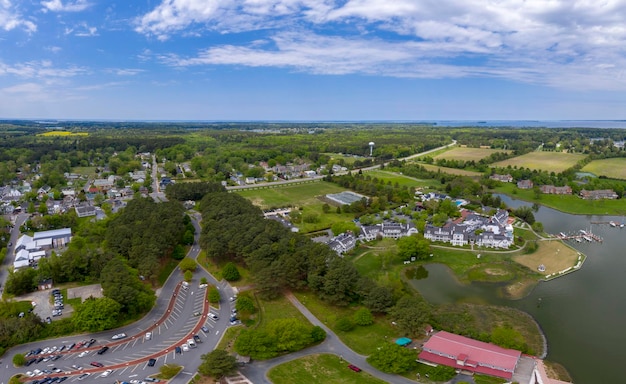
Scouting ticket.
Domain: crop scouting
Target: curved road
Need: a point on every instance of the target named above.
(257, 370)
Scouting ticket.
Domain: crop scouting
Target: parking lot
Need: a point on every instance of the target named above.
(44, 305)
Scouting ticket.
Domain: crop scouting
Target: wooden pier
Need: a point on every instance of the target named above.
(580, 237)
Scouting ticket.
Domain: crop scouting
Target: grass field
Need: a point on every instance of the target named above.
(554, 255)
(546, 161)
(85, 171)
(398, 178)
(363, 340)
(323, 368)
(290, 195)
(304, 196)
(451, 171)
(611, 168)
(467, 154)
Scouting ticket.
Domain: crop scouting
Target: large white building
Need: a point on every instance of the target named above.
(29, 250)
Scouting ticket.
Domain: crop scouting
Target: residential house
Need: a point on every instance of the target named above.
(85, 210)
(504, 178)
(552, 190)
(525, 184)
(491, 232)
(344, 242)
(387, 229)
(598, 194)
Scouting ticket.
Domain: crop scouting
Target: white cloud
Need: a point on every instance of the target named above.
(10, 18)
(125, 71)
(81, 30)
(40, 70)
(69, 6)
(564, 43)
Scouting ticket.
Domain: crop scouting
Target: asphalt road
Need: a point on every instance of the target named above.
(8, 260)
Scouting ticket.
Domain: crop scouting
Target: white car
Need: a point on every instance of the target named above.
(119, 336)
(83, 353)
(148, 335)
(185, 347)
(106, 373)
(30, 374)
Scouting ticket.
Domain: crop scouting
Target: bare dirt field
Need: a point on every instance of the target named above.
(467, 154)
(546, 161)
(451, 171)
(554, 255)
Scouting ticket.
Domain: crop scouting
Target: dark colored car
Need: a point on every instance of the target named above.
(151, 362)
(29, 362)
(90, 342)
(354, 368)
(197, 339)
(103, 350)
(178, 350)
(96, 364)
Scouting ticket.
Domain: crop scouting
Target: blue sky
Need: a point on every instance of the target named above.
(313, 59)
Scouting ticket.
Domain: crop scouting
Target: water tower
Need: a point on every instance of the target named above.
(371, 148)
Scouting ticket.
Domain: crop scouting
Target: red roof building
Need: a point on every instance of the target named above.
(468, 354)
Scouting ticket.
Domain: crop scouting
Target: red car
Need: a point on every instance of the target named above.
(354, 368)
(96, 364)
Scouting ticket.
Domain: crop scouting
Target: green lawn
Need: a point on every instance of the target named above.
(363, 340)
(611, 168)
(281, 308)
(546, 161)
(85, 171)
(290, 195)
(398, 178)
(314, 369)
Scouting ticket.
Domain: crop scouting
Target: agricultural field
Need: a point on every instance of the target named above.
(612, 168)
(451, 171)
(398, 178)
(467, 154)
(546, 161)
(63, 133)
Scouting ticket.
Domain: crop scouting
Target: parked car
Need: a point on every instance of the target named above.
(197, 339)
(151, 380)
(96, 364)
(354, 368)
(84, 376)
(179, 350)
(148, 335)
(185, 347)
(151, 362)
(106, 373)
(118, 336)
(103, 350)
(205, 329)
(213, 316)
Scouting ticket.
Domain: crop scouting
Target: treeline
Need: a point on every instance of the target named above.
(191, 191)
(234, 230)
(145, 233)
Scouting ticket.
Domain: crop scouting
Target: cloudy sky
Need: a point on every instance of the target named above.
(313, 59)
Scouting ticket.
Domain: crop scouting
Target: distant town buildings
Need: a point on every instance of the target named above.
(28, 250)
(525, 184)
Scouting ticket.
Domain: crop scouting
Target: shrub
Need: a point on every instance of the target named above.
(214, 295)
(318, 334)
(19, 360)
(363, 317)
(345, 324)
(230, 272)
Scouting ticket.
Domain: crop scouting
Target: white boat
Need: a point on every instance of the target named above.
(562, 234)
(583, 231)
(612, 224)
(621, 225)
(578, 240)
(587, 238)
